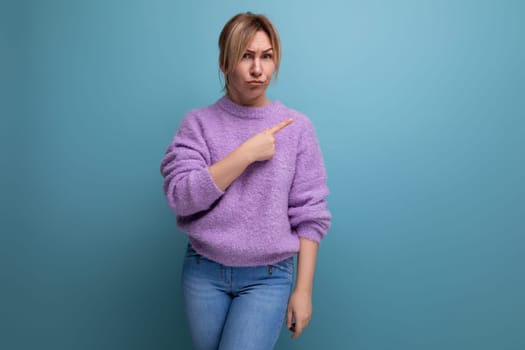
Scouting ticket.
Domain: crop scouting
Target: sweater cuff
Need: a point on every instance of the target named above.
(209, 186)
(309, 232)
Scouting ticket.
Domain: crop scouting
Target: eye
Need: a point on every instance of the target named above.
(246, 56)
(267, 56)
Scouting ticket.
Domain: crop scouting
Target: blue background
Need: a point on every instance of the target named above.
(419, 108)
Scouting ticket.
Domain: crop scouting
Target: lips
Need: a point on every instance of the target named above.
(256, 82)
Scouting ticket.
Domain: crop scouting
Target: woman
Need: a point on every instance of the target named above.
(245, 177)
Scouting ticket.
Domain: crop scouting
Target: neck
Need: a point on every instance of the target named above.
(256, 102)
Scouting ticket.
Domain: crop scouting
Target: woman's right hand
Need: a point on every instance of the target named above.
(258, 147)
(261, 146)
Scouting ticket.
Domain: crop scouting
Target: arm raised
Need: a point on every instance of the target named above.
(259, 147)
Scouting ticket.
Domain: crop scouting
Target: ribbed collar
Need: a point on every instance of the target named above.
(237, 110)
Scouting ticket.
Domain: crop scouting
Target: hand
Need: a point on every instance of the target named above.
(261, 146)
(300, 311)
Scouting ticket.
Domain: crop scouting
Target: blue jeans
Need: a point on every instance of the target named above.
(232, 308)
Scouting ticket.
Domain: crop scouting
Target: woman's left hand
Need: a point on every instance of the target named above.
(299, 312)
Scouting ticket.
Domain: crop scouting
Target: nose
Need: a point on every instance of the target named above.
(256, 69)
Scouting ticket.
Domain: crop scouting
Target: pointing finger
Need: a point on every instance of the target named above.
(280, 126)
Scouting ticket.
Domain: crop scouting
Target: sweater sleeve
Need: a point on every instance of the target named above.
(309, 216)
(188, 184)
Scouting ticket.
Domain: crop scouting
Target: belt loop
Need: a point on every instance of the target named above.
(270, 268)
(198, 259)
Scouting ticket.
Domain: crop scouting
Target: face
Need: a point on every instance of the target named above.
(250, 79)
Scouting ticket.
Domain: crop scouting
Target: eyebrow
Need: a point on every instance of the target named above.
(252, 51)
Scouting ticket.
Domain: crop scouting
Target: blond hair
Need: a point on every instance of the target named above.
(236, 35)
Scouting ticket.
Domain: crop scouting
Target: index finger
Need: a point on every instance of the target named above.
(298, 329)
(280, 126)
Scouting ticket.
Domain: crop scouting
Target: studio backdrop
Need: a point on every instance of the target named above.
(419, 110)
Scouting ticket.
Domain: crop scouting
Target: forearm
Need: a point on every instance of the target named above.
(259, 147)
(225, 171)
(306, 265)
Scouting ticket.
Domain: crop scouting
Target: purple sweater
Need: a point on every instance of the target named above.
(259, 218)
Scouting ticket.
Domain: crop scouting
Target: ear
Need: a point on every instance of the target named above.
(224, 74)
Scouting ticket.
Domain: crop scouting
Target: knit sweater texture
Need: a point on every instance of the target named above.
(259, 218)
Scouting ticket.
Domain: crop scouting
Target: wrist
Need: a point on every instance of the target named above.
(244, 155)
(306, 291)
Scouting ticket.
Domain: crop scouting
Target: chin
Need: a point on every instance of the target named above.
(254, 97)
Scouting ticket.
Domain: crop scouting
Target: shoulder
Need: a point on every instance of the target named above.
(197, 114)
(200, 117)
(300, 119)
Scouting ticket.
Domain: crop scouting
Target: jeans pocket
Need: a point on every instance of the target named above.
(286, 265)
(191, 254)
